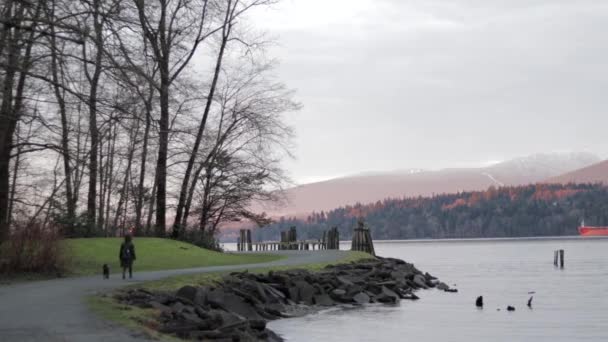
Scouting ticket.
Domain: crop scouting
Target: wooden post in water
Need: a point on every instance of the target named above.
(555, 256)
(243, 239)
(362, 239)
(283, 240)
(249, 247)
(293, 237)
(561, 258)
(332, 238)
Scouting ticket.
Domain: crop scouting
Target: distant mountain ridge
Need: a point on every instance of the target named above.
(512, 211)
(596, 173)
(372, 187)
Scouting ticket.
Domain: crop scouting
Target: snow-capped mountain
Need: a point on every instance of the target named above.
(375, 186)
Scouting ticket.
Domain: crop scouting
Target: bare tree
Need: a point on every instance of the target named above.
(240, 167)
(58, 80)
(100, 88)
(17, 43)
(169, 28)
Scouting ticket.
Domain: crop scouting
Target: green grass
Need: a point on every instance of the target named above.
(144, 320)
(131, 317)
(88, 255)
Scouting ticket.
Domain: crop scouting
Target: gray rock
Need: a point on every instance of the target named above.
(232, 303)
(274, 293)
(187, 292)
(344, 281)
(442, 286)
(257, 324)
(191, 318)
(178, 307)
(305, 292)
(159, 306)
(410, 296)
(338, 292)
(420, 281)
(387, 296)
(323, 300)
(361, 298)
(294, 294)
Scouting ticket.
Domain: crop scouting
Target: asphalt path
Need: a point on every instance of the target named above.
(56, 310)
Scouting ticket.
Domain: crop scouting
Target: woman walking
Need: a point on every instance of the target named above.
(127, 256)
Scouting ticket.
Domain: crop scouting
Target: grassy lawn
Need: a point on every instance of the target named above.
(88, 255)
(143, 320)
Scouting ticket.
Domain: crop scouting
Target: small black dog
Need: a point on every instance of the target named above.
(106, 271)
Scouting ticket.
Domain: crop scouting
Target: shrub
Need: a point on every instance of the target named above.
(33, 248)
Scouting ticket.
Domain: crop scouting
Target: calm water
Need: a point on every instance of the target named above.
(569, 304)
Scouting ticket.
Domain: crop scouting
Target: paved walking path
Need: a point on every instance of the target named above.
(55, 310)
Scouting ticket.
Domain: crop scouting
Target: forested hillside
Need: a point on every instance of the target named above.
(533, 210)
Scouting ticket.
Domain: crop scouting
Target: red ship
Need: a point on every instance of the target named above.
(592, 231)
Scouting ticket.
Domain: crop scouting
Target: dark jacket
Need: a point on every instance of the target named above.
(127, 253)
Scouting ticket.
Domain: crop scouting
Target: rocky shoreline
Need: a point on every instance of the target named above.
(238, 307)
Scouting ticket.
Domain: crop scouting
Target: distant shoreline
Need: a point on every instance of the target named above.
(505, 239)
(495, 239)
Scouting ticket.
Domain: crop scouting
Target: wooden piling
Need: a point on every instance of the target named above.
(561, 258)
(248, 236)
(362, 239)
(293, 238)
(332, 238)
(555, 257)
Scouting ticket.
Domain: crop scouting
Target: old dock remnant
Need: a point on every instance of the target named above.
(244, 241)
(362, 239)
(331, 238)
(289, 241)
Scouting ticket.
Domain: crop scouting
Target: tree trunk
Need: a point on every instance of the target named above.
(183, 194)
(94, 82)
(125, 183)
(103, 189)
(8, 119)
(150, 210)
(161, 162)
(65, 142)
(139, 202)
(14, 182)
(10, 112)
(109, 178)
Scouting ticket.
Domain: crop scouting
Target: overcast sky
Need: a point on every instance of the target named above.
(395, 84)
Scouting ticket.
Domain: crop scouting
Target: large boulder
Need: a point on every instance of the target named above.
(420, 281)
(387, 296)
(323, 300)
(305, 292)
(361, 298)
(232, 303)
(442, 286)
(187, 292)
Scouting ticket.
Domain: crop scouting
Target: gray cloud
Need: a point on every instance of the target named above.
(397, 84)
